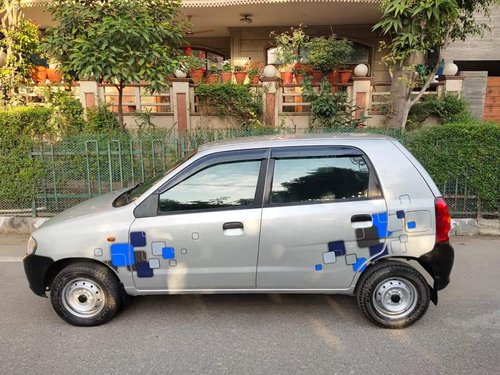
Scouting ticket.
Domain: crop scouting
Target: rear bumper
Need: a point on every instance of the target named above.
(439, 262)
(36, 267)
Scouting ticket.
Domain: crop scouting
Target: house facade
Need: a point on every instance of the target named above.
(240, 29)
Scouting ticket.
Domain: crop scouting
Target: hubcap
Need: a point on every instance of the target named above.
(83, 298)
(395, 298)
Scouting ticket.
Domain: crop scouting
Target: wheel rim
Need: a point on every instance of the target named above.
(83, 298)
(395, 298)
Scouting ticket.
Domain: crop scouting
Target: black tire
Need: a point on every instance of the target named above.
(393, 295)
(85, 294)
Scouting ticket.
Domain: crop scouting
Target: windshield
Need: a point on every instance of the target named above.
(139, 189)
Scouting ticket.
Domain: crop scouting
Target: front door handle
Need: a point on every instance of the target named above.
(232, 225)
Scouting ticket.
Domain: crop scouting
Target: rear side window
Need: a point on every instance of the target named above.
(219, 186)
(319, 179)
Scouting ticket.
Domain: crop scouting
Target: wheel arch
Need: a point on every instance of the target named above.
(407, 260)
(60, 264)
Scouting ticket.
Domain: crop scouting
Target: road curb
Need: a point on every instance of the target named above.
(459, 227)
(20, 225)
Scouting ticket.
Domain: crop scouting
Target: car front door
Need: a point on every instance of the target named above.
(205, 233)
(324, 216)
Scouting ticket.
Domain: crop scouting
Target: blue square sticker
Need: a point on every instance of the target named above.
(400, 214)
(168, 253)
(318, 267)
(338, 247)
(143, 270)
(122, 254)
(411, 225)
(138, 239)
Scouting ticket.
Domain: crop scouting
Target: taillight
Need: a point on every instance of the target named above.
(443, 220)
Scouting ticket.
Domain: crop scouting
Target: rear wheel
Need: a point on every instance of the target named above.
(85, 294)
(393, 295)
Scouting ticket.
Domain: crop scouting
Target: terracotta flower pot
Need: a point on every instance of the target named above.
(286, 77)
(39, 74)
(226, 77)
(54, 75)
(255, 80)
(196, 75)
(333, 77)
(316, 76)
(212, 78)
(345, 75)
(240, 77)
(299, 79)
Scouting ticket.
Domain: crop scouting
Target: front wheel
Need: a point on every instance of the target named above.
(85, 294)
(393, 295)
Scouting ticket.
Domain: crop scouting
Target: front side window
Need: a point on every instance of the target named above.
(219, 186)
(319, 179)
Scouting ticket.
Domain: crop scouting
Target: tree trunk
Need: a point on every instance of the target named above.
(397, 112)
(401, 88)
(120, 106)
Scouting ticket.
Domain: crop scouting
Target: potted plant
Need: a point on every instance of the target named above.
(38, 71)
(53, 73)
(345, 74)
(301, 71)
(213, 74)
(227, 71)
(254, 72)
(196, 68)
(239, 74)
(328, 54)
(288, 45)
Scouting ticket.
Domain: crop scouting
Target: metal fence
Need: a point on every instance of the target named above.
(78, 168)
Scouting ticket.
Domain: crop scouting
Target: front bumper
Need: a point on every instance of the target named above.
(36, 267)
(439, 262)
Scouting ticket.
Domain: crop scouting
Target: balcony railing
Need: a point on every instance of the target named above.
(137, 98)
(284, 105)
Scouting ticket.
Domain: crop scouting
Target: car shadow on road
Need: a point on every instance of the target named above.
(252, 306)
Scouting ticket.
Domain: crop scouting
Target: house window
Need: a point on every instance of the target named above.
(210, 57)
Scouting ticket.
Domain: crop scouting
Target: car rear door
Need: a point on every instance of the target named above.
(323, 217)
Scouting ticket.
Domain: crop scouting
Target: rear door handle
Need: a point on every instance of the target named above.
(361, 218)
(232, 225)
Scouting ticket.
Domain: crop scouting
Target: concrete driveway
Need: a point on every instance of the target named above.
(257, 334)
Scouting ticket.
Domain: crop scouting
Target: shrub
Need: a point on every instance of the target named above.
(231, 100)
(101, 119)
(329, 110)
(329, 53)
(449, 109)
(470, 150)
(19, 127)
(67, 112)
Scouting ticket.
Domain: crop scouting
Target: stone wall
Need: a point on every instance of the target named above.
(474, 91)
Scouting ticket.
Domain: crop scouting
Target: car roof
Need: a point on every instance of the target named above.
(283, 140)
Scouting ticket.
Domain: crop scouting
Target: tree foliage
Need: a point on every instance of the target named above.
(426, 25)
(19, 49)
(421, 26)
(117, 41)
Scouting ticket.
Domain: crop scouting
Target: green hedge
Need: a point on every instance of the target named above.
(470, 150)
(18, 128)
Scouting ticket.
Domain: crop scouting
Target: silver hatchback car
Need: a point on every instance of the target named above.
(349, 214)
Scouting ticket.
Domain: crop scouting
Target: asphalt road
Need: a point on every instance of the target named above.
(257, 334)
